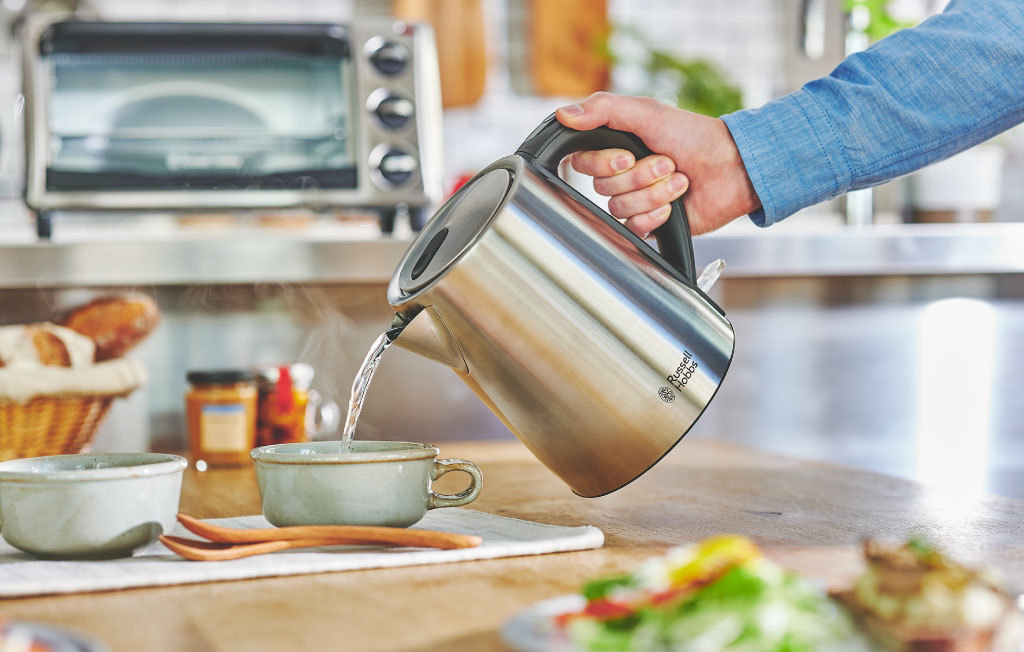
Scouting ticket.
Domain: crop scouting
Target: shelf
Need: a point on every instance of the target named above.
(880, 250)
(195, 262)
(362, 257)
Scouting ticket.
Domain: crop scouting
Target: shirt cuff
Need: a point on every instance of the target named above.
(793, 155)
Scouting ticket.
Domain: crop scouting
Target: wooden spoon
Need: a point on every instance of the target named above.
(211, 551)
(338, 534)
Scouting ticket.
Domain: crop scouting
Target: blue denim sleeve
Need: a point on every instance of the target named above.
(918, 96)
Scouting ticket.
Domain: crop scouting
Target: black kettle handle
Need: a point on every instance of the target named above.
(552, 141)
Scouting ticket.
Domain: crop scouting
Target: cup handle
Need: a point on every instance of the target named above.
(463, 497)
(322, 416)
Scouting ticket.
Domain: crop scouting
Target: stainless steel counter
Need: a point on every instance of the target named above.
(256, 256)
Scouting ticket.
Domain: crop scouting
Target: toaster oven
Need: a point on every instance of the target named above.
(196, 116)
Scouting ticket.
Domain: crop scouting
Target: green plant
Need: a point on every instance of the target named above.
(702, 88)
(880, 23)
(696, 84)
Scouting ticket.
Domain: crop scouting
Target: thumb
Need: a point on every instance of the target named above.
(620, 112)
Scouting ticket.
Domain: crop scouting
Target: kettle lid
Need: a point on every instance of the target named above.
(455, 227)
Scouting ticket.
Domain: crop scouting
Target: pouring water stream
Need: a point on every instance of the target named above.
(362, 383)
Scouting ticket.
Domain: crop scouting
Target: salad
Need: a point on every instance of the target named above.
(718, 595)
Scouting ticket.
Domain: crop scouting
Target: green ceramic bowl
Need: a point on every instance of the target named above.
(88, 506)
(373, 483)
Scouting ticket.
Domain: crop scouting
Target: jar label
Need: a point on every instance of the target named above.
(222, 428)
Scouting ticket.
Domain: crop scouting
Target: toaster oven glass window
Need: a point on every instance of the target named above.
(215, 115)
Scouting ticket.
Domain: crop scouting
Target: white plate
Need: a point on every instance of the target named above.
(51, 638)
(534, 628)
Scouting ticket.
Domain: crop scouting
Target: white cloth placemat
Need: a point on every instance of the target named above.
(155, 565)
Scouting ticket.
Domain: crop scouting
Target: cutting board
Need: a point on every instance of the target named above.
(565, 46)
(461, 52)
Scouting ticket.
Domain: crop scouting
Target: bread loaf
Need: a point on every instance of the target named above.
(50, 347)
(44, 344)
(115, 323)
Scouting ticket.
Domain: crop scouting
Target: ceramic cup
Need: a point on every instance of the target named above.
(377, 483)
(88, 506)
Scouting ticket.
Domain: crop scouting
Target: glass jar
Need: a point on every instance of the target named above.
(290, 410)
(220, 410)
(283, 406)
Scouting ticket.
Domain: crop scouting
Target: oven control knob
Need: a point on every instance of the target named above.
(396, 166)
(390, 58)
(394, 111)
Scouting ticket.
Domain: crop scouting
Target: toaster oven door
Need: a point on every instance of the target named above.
(240, 115)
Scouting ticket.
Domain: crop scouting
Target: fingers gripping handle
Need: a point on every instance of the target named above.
(552, 141)
(468, 495)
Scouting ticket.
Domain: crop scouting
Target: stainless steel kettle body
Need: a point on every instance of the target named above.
(597, 352)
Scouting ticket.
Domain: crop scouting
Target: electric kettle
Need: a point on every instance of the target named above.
(598, 352)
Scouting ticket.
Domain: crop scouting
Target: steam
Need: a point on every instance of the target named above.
(336, 342)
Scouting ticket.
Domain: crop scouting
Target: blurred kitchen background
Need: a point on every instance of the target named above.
(883, 330)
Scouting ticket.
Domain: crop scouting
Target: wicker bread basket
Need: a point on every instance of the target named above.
(56, 410)
(50, 425)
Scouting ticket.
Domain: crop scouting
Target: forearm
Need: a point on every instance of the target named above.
(914, 98)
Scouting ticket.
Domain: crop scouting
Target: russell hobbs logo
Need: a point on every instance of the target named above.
(683, 373)
(666, 394)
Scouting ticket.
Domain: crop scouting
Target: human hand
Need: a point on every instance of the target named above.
(692, 152)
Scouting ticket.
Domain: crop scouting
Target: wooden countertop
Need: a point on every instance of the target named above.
(808, 516)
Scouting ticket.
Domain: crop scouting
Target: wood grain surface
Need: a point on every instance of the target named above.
(461, 45)
(808, 516)
(565, 47)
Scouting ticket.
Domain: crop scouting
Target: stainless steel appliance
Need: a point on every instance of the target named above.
(185, 116)
(598, 352)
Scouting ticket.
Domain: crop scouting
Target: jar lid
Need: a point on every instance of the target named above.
(301, 374)
(220, 377)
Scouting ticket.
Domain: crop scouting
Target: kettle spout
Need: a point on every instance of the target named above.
(426, 334)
